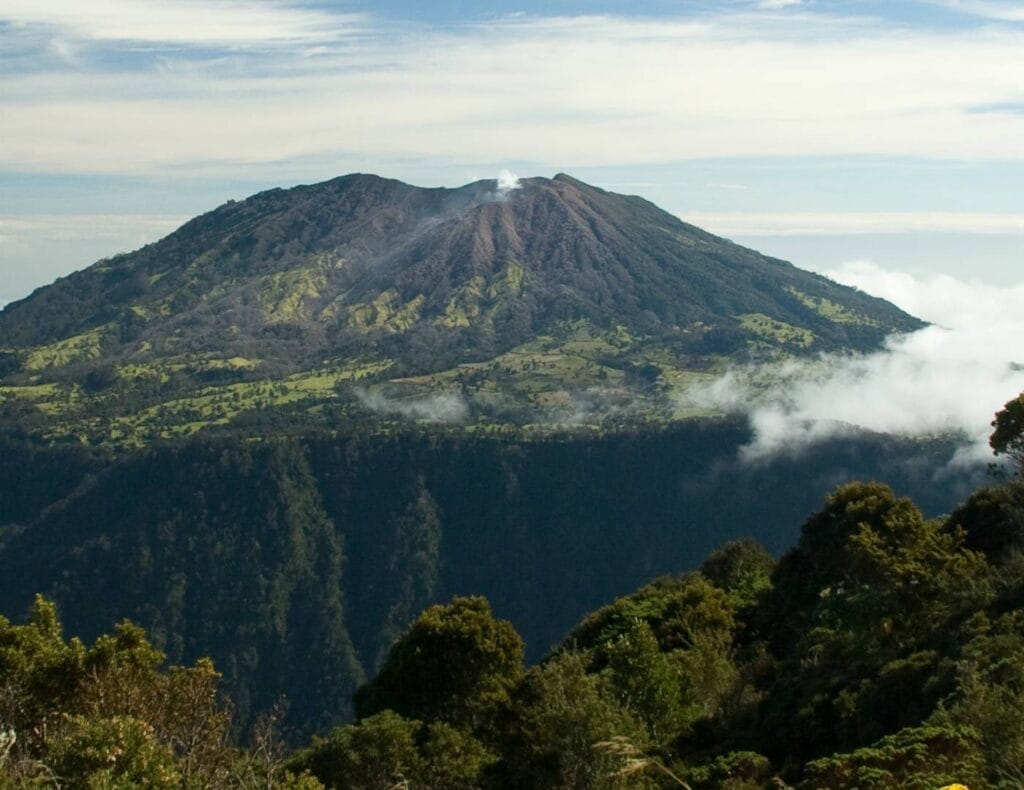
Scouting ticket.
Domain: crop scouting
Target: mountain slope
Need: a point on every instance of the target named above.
(364, 278)
(295, 564)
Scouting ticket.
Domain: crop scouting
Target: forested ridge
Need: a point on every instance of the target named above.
(269, 555)
(883, 650)
(309, 623)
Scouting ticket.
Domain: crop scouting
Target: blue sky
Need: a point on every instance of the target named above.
(819, 131)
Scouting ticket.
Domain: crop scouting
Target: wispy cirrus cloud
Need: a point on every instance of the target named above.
(1011, 107)
(567, 91)
(774, 5)
(196, 22)
(19, 230)
(815, 223)
(1001, 10)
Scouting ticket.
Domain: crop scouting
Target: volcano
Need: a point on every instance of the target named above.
(527, 296)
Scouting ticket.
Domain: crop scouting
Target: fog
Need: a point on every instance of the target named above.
(446, 407)
(948, 378)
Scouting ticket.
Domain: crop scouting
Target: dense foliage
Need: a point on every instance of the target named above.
(268, 556)
(880, 652)
(109, 716)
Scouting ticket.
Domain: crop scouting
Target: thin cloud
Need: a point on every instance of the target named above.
(563, 92)
(21, 229)
(1008, 107)
(818, 223)
(776, 5)
(1000, 10)
(35, 249)
(949, 378)
(227, 22)
(444, 407)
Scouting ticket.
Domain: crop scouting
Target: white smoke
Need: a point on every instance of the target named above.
(948, 378)
(507, 181)
(447, 407)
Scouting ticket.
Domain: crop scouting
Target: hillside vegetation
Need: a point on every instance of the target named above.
(268, 555)
(884, 651)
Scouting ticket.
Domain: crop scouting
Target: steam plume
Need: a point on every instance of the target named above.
(507, 181)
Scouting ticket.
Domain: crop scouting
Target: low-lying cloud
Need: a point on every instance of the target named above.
(447, 407)
(948, 378)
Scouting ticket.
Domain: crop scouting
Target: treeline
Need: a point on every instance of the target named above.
(885, 650)
(271, 556)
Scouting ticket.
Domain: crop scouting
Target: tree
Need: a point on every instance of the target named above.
(742, 567)
(992, 520)
(107, 715)
(385, 751)
(851, 617)
(989, 695)
(561, 715)
(870, 565)
(915, 758)
(647, 682)
(117, 753)
(456, 663)
(680, 611)
(375, 754)
(1008, 435)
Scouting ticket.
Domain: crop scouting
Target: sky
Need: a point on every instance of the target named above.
(881, 143)
(815, 130)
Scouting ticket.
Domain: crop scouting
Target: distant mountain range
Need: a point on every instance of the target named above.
(365, 296)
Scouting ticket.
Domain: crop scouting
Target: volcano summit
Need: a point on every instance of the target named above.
(363, 295)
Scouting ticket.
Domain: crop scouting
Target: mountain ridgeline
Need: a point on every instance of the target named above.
(518, 300)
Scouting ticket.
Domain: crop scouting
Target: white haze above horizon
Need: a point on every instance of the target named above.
(948, 378)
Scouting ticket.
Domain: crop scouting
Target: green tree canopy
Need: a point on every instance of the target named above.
(992, 520)
(741, 567)
(456, 663)
(1008, 432)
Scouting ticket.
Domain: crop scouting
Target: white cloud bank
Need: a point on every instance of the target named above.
(950, 377)
(565, 92)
